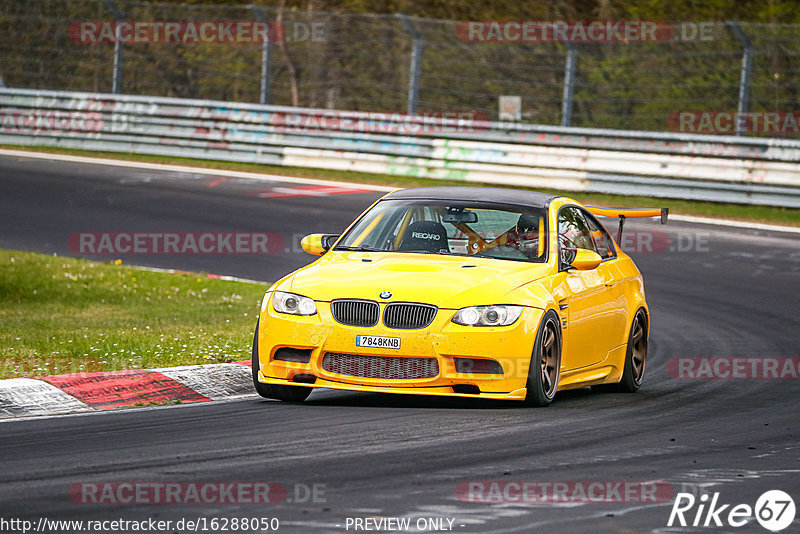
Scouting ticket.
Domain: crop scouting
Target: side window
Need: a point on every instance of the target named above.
(573, 231)
(602, 241)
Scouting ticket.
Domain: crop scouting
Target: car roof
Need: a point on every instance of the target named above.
(516, 197)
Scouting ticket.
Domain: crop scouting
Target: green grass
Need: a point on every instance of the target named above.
(766, 214)
(63, 315)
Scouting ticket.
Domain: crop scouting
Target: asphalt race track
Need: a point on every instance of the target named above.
(713, 292)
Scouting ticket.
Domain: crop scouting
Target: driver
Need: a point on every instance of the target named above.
(526, 235)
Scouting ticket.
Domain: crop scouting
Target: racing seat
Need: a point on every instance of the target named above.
(425, 236)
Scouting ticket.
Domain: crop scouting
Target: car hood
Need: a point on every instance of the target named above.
(444, 281)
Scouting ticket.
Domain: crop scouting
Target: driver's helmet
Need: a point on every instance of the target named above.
(527, 226)
(527, 230)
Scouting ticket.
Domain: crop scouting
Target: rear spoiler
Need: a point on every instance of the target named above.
(624, 213)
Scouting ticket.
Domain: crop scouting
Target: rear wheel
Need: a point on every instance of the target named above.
(274, 391)
(635, 357)
(545, 365)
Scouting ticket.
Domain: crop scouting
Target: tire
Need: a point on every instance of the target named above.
(274, 391)
(545, 367)
(635, 357)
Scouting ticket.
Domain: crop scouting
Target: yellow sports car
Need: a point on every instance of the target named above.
(459, 291)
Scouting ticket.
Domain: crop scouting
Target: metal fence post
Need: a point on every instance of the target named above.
(266, 56)
(569, 84)
(416, 58)
(744, 78)
(116, 81)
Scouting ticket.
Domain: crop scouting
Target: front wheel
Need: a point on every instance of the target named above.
(274, 391)
(545, 365)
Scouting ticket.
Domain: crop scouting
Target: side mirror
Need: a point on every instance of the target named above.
(318, 244)
(586, 260)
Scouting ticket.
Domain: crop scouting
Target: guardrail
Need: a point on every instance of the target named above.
(701, 167)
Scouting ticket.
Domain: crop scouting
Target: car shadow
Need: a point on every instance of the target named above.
(395, 400)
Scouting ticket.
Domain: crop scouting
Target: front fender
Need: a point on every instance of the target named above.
(534, 295)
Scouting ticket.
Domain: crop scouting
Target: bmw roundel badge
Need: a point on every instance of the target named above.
(386, 295)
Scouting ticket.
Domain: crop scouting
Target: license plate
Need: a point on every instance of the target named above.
(378, 342)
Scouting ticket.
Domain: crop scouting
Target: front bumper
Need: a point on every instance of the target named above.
(443, 340)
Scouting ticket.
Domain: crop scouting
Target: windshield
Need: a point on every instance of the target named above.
(440, 227)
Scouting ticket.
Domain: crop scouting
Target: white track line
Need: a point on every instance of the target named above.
(312, 181)
(186, 168)
(738, 224)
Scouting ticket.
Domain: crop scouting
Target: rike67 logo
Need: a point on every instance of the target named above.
(774, 510)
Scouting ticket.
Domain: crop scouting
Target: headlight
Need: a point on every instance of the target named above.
(293, 304)
(488, 315)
